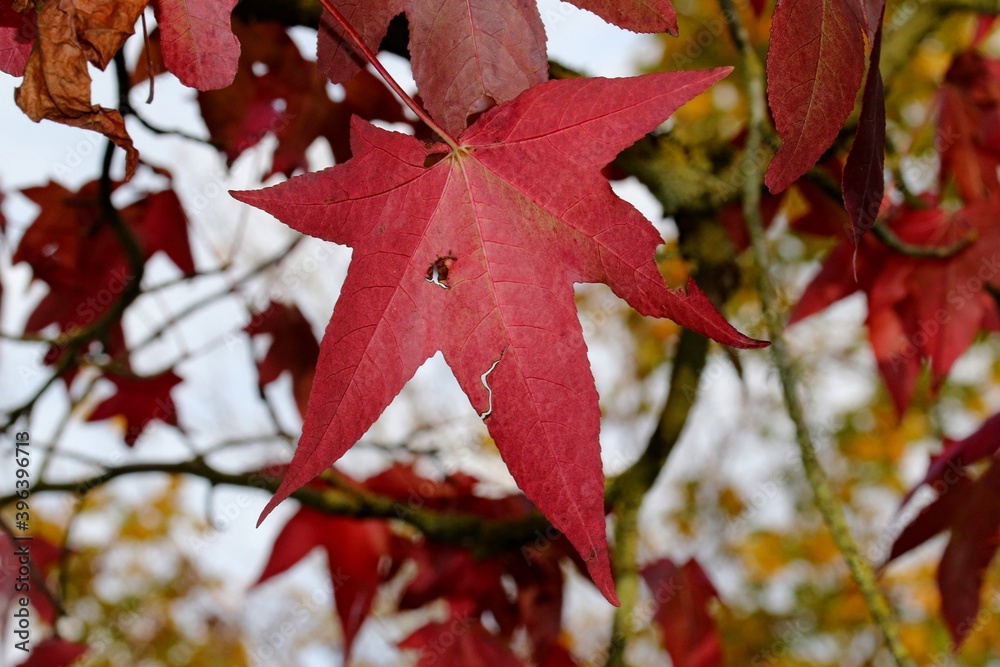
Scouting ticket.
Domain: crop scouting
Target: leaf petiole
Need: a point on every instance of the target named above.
(370, 56)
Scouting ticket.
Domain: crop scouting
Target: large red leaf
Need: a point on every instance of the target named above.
(682, 596)
(814, 69)
(470, 54)
(198, 45)
(474, 253)
(71, 247)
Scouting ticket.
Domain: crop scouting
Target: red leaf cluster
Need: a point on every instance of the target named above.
(277, 91)
(969, 126)
(72, 248)
(364, 554)
(919, 308)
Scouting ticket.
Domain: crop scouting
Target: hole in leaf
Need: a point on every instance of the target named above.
(482, 105)
(433, 158)
(437, 272)
(260, 69)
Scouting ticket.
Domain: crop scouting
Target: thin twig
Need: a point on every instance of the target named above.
(826, 501)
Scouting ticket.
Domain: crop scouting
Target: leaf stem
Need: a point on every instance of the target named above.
(826, 501)
(363, 49)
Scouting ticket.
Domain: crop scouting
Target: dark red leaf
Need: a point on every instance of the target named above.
(55, 652)
(935, 517)
(969, 114)
(975, 536)
(293, 348)
(683, 596)
(918, 308)
(140, 400)
(864, 179)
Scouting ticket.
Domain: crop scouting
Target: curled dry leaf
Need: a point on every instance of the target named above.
(71, 34)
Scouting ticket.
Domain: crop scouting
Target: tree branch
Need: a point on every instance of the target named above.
(483, 536)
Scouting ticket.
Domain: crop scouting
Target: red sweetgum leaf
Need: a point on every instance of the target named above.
(56, 86)
(474, 253)
(17, 34)
(814, 67)
(354, 549)
(975, 536)
(287, 97)
(293, 348)
(682, 596)
(197, 43)
(140, 400)
(864, 177)
(55, 652)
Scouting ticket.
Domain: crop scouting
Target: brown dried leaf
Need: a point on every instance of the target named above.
(56, 84)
